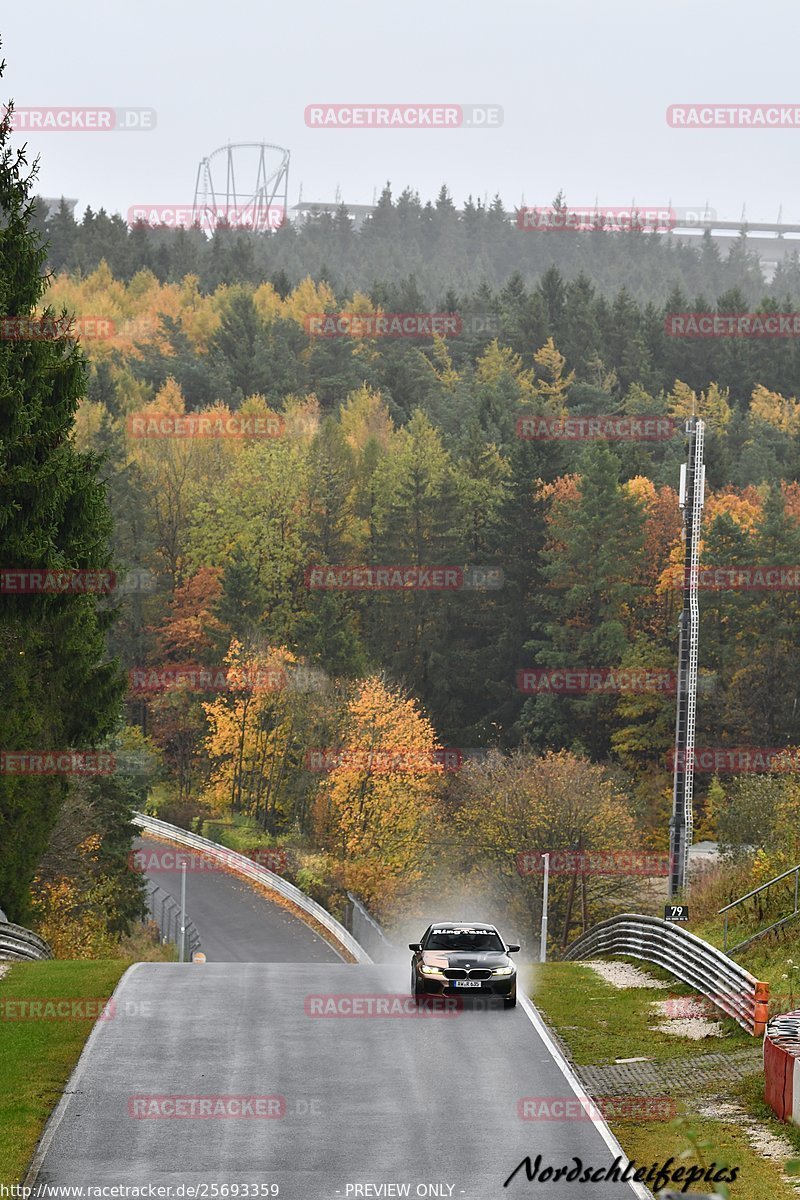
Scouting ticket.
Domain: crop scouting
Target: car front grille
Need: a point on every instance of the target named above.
(461, 973)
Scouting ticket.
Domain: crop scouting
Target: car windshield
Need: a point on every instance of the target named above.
(463, 939)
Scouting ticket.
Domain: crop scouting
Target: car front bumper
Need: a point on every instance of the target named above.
(503, 985)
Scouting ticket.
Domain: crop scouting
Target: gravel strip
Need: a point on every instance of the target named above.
(762, 1140)
(623, 975)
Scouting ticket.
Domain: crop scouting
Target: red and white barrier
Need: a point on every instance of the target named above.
(782, 1066)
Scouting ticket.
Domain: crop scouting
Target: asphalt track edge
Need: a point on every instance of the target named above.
(264, 890)
(54, 1120)
(600, 1125)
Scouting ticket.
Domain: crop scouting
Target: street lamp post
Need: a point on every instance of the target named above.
(545, 889)
(183, 912)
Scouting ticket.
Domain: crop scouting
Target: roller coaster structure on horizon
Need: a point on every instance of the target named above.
(259, 199)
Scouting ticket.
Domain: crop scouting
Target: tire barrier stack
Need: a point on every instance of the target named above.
(734, 991)
(782, 1066)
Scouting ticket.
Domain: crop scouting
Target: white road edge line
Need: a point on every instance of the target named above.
(572, 1079)
(70, 1087)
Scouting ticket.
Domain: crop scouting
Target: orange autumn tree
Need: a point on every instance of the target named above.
(189, 628)
(377, 804)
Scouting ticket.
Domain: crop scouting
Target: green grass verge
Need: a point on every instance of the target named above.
(766, 958)
(599, 1023)
(38, 1055)
(649, 1142)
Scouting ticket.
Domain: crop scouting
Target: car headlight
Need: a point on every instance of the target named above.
(424, 970)
(503, 971)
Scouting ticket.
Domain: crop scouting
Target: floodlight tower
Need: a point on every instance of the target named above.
(681, 826)
(258, 201)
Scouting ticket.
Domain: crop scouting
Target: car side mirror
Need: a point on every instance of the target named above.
(512, 949)
(415, 945)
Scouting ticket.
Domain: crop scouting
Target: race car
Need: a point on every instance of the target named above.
(458, 958)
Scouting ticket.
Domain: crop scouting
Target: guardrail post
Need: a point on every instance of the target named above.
(761, 1009)
(725, 934)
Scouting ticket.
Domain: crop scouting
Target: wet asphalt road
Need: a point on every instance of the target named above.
(423, 1103)
(235, 923)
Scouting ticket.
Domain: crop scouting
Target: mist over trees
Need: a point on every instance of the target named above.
(443, 248)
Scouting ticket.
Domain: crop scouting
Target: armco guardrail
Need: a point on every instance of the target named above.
(166, 912)
(367, 931)
(733, 990)
(242, 865)
(20, 944)
(782, 1066)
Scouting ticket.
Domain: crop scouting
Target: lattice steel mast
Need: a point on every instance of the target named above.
(681, 827)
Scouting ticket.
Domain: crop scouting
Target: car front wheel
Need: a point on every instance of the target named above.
(510, 1000)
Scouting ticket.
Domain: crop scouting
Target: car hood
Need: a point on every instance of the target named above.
(465, 958)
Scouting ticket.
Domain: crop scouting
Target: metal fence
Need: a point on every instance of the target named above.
(728, 986)
(240, 864)
(367, 932)
(166, 912)
(18, 944)
(784, 920)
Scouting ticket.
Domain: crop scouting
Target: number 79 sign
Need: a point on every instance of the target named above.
(676, 912)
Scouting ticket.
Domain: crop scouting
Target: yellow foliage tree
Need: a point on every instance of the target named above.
(380, 797)
(775, 409)
(250, 736)
(554, 386)
(712, 405)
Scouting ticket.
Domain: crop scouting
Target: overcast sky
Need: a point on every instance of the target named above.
(584, 89)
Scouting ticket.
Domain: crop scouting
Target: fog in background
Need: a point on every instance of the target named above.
(584, 89)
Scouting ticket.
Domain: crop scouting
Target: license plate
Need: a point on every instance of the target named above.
(467, 982)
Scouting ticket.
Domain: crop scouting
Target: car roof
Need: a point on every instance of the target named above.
(463, 924)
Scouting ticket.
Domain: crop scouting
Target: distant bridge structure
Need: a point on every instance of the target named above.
(772, 241)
